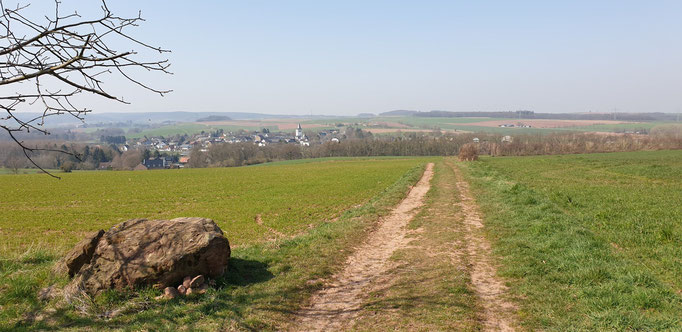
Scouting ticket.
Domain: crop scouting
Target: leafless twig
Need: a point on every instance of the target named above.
(69, 52)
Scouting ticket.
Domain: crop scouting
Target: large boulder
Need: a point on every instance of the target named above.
(81, 254)
(160, 253)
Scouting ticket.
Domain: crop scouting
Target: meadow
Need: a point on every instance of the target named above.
(603, 232)
(39, 211)
(585, 242)
(5, 171)
(309, 211)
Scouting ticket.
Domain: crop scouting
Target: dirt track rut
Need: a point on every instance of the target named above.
(497, 310)
(335, 307)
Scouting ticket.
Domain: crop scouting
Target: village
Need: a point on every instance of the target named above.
(174, 152)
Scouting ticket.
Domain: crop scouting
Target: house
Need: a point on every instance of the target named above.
(476, 140)
(507, 139)
(183, 160)
(157, 163)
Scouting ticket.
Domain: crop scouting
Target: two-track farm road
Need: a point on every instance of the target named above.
(343, 302)
(335, 307)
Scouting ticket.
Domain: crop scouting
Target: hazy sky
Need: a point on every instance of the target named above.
(347, 57)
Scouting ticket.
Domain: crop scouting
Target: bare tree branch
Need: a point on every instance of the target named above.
(74, 52)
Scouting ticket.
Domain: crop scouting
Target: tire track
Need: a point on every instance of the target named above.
(335, 307)
(497, 310)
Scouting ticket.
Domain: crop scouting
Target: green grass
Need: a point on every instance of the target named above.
(588, 242)
(330, 159)
(267, 280)
(5, 171)
(40, 211)
(620, 127)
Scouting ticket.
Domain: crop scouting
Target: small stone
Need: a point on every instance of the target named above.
(170, 293)
(202, 289)
(197, 281)
(182, 290)
(189, 291)
(187, 282)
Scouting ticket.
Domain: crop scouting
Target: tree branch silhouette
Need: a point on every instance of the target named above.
(70, 54)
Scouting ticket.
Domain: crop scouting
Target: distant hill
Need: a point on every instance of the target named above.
(145, 118)
(399, 113)
(552, 116)
(212, 118)
(366, 115)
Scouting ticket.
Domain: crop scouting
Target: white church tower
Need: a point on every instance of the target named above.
(299, 132)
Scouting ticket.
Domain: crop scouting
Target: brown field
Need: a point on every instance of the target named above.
(408, 130)
(545, 123)
(607, 133)
(389, 124)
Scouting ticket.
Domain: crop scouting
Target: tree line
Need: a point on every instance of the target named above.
(356, 144)
(435, 144)
(50, 156)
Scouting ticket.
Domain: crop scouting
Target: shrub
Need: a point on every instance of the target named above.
(67, 167)
(468, 152)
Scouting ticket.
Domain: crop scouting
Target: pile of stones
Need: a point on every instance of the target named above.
(189, 286)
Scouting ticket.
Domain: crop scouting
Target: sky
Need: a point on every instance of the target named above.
(349, 57)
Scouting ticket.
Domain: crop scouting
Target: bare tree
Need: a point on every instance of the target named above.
(14, 161)
(69, 54)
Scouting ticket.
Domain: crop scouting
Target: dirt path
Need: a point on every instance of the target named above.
(335, 307)
(488, 287)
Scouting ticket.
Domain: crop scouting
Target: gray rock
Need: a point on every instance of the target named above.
(160, 253)
(80, 254)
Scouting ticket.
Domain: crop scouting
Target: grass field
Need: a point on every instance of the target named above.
(585, 242)
(588, 242)
(289, 198)
(621, 127)
(267, 275)
(4, 171)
